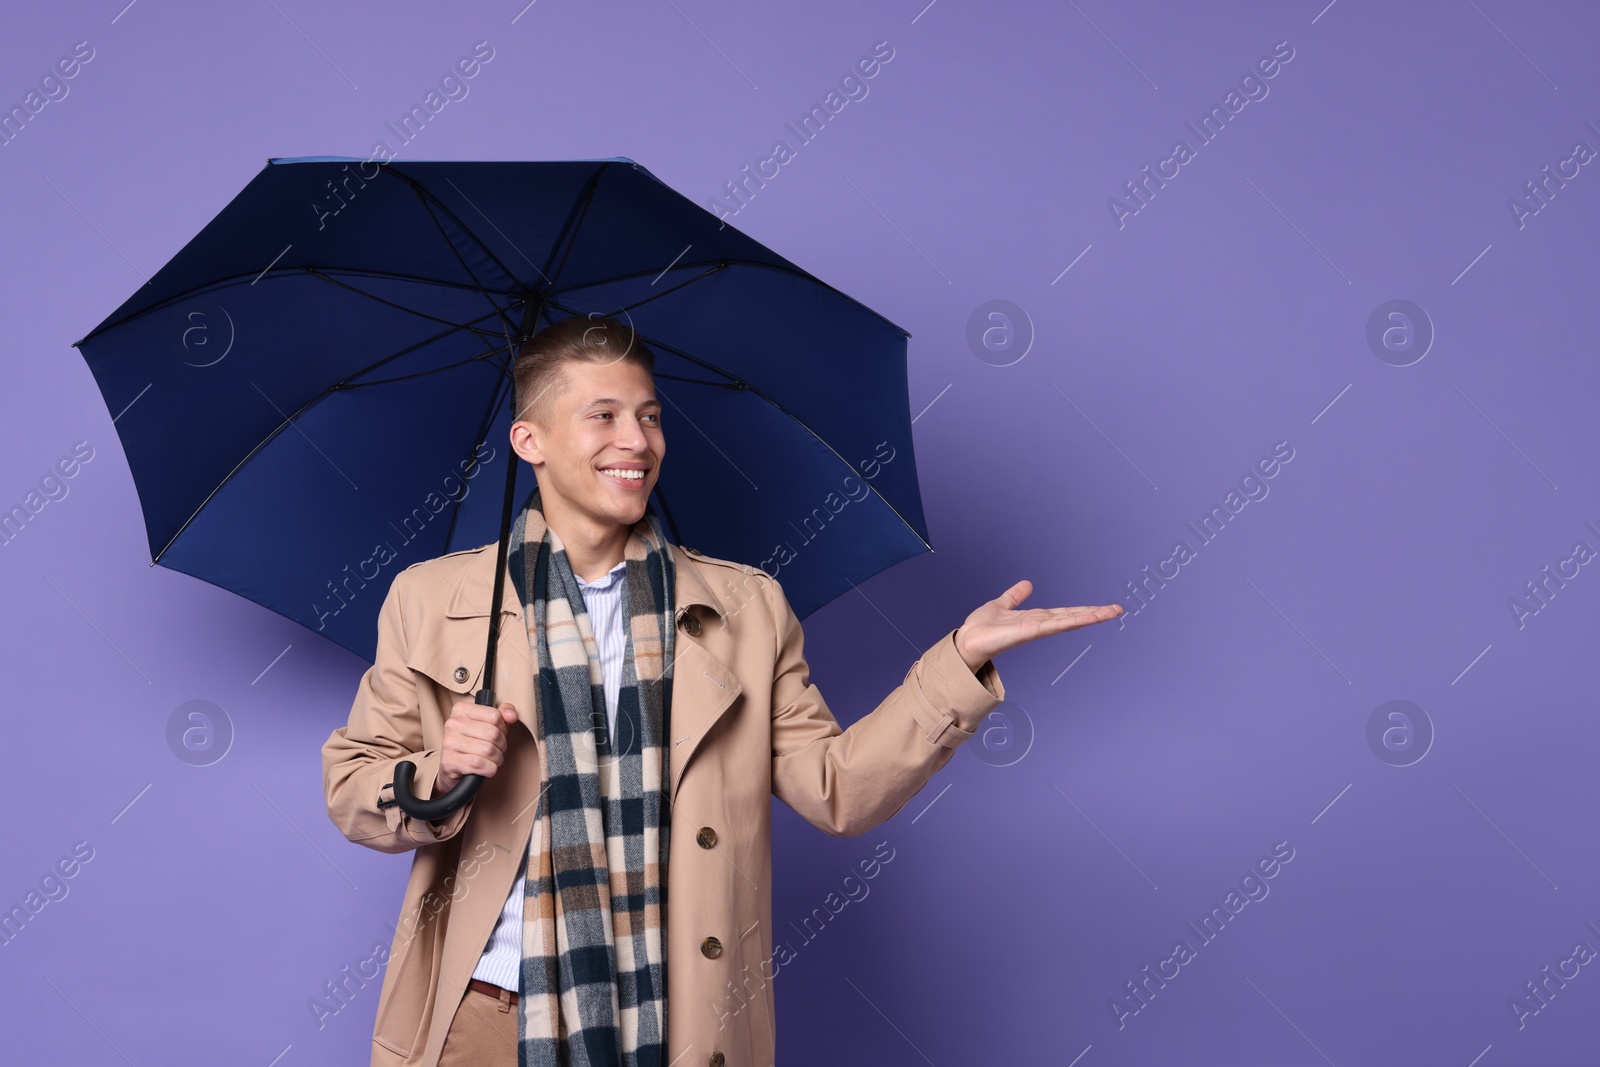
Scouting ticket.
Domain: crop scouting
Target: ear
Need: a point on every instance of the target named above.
(525, 441)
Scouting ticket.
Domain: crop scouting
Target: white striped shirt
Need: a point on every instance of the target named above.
(501, 962)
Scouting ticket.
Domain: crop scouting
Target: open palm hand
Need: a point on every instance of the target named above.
(1000, 625)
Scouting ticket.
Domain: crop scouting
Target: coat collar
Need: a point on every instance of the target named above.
(475, 588)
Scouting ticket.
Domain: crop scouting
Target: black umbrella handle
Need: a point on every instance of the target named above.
(439, 807)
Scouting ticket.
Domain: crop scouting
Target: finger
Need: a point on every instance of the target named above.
(1051, 617)
(1017, 593)
(477, 748)
(1072, 619)
(492, 733)
(482, 713)
(475, 765)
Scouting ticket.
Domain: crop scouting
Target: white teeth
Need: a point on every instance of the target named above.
(631, 476)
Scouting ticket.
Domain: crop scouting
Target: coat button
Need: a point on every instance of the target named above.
(692, 551)
(715, 1060)
(707, 837)
(691, 624)
(711, 947)
(461, 674)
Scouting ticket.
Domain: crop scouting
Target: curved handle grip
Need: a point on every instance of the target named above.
(437, 808)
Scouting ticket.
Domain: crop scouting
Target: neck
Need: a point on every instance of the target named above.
(593, 548)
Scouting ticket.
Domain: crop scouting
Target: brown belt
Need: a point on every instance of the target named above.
(491, 989)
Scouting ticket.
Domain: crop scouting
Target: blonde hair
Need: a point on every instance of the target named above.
(536, 378)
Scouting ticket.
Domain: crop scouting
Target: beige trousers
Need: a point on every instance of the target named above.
(482, 1034)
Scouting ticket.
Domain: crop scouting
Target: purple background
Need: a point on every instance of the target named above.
(1110, 803)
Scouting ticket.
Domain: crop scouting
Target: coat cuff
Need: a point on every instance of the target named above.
(952, 700)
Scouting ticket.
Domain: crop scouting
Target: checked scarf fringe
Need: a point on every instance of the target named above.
(594, 915)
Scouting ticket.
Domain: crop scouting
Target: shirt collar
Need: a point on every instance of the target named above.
(604, 583)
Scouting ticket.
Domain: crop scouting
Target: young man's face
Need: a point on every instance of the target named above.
(605, 422)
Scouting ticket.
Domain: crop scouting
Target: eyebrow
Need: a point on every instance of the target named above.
(611, 401)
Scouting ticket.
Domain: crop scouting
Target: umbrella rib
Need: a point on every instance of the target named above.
(483, 433)
(734, 379)
(363, 271)
(459, 258)
(739, 383)
(421, 373)
(721, 261)
(567, 239)
(735, 386)
(279, 429)
(737, 262)
(725, 262)
(504, 381)
(624, 309)
(426, 194)
(500, 384)
(224, 283)
(496, 309)
(314, 272)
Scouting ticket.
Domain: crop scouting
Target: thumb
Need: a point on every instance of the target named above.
(1017, 593)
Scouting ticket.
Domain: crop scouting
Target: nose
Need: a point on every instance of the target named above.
(630, 435)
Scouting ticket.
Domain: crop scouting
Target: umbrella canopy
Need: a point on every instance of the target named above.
(313, 394)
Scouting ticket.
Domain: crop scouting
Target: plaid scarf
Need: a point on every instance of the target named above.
(594, 915)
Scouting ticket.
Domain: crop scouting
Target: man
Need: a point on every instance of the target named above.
(543, 920)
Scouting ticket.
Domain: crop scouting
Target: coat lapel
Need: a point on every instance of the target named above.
(704, 687)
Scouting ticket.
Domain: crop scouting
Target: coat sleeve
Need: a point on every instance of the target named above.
(385, 727)
(846, 782)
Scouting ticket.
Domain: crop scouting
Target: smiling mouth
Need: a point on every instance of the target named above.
(628, 479)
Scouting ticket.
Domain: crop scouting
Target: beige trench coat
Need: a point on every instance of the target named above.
(746, 722)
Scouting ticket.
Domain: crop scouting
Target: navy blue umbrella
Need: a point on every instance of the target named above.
(314, 393)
